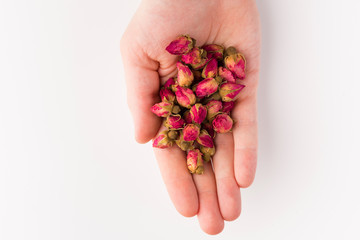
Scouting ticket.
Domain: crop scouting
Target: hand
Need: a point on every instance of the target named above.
(215, 195)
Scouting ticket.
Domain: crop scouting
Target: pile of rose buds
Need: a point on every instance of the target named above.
(197, 103)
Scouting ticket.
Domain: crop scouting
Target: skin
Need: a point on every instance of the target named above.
(215, 195)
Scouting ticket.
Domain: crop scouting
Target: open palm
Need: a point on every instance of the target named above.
(215, 195)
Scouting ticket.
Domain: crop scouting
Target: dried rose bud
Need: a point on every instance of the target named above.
(213, 108)
(204, 61)
(193, 57)
(230, 91)
(180, 45)
(230, 51)
(187, 117)
(205, 139)
(209, 128)
(215, 96)
(228, 107)
(169, 83)
(162, 141)
(173, 134)
(176, 109)
(174, 87)
(226, 74)
(200, 65)
(162, 109)
(185, 97)
(185, 76)
(191, 132)
(210, 70)
(174, 122)
(214, 51)
(195, 162)
(236, 63)
(198, 113)
(207, 152)
(219, 79)
(184, 145)
(222, 123)
(206, 157)
(167, 95)
(206, 87)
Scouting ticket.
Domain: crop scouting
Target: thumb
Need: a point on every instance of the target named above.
(142, 83)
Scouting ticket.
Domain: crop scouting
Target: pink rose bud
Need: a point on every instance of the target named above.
(207, 152)
(205, 139)
(222, 123)
(210, 70)
(228, 107)
(198, 113)
(162, 109)
(162, 141)
(174, 122)
(180, 45)
(213, 108)
(185, 76)
(169, 83)
(195, 162)
(184, 145)
(206, 87)
(236, 63)
(193, 56)
(227, 75)
(214, 51)
(200, 65)
(209, 128)
(185, 97)
(191, 132)
(167, 95)
(230, 91)
(187, 117)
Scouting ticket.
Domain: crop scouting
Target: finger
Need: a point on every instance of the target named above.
(245, 138)
(227, 188)
(142, 82)
(178, 180)
(209, 216)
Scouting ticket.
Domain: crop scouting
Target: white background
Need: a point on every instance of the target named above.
(69, 165)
